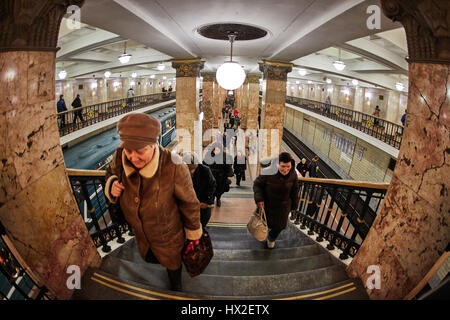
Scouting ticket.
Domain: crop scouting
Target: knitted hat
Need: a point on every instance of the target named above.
(138, 130)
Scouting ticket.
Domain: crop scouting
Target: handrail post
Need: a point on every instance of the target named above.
(91, 210)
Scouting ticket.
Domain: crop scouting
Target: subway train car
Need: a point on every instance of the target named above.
(96, 152)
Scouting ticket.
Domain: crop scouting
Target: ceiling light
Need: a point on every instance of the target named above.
(230, 75)
(164, 78)
(161, 66)
(152, 76)
(399, 86)
(309, 82)
(94, 85)
(62, 74)
(134, 75)
(107, 74)
(297, 82)
(132, 83)
(355, 82)
(302, 72)
(339, 65)
(125, 58)
(328, 81)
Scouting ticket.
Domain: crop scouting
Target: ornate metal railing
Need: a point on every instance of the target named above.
(339, 211)
(88, 188)
(386, 131)
(16, 281)
(68, 121)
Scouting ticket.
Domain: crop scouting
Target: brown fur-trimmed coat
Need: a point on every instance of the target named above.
(159, 203)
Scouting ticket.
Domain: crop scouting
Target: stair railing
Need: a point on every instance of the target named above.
(384, 130)
(88, 188)
(339, 211)
(15, 276)
(94, 113)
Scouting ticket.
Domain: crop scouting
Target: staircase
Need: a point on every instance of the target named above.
(242, 268)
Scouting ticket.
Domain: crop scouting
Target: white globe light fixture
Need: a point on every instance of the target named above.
(161, 66)
(125, 58)
(134, 75)
(355, 82)
(302, 72)
(62, 74)
(107, 74)
(399, 86)
(328, 81)
(152, 76)
(339, 65)
(230, 75)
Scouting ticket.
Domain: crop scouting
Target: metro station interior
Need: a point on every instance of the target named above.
(362, 85)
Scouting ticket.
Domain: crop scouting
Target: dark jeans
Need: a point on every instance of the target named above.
(205, 215)
(77, 114)
(62, 118)
(239, 176)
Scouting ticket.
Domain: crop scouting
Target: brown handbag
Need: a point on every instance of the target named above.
(197, 260)
(257, 225)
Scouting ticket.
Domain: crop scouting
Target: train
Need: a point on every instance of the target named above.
(96, 152)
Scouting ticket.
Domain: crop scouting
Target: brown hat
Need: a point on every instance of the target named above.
(138, 130)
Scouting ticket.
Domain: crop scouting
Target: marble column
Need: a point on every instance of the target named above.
(273, 105)
(37, 206)
(243, 110)
(189, 131)
(207, 106)
(253, 101)
(412, 230)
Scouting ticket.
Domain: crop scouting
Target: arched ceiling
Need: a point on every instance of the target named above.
(308, 33)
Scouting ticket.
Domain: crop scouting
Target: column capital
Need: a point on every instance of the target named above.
(188, 67)
(208, 76)
(427, 27)
(275, 70)
(32, 25)
(253, 77)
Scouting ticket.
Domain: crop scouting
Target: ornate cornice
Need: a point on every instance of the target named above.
(253, 77)
(187, 67)
(28, 25)
(427, 27)
(208, 76)
(274, 70)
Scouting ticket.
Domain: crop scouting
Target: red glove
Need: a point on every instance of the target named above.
(190, 247)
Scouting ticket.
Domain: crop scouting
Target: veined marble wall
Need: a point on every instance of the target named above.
(37, 205)
(412, 230)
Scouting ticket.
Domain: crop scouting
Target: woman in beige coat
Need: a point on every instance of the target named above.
(156, 194)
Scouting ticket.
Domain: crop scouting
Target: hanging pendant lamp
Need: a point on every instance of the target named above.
(230, 75)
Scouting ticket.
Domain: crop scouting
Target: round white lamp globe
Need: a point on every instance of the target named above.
(230, 75)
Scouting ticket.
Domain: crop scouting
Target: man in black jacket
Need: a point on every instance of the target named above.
(204, 185)
(76, 104)
(278, 195)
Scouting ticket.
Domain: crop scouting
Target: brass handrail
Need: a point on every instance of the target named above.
(348, 183)
(85, 173)
(347, 109)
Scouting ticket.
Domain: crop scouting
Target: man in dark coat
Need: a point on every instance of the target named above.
(278, 195)
(239, 166)
(314, 167)
(220, 164)
(302, 167)
(204, 185)
(76, 104)
(61, 107)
